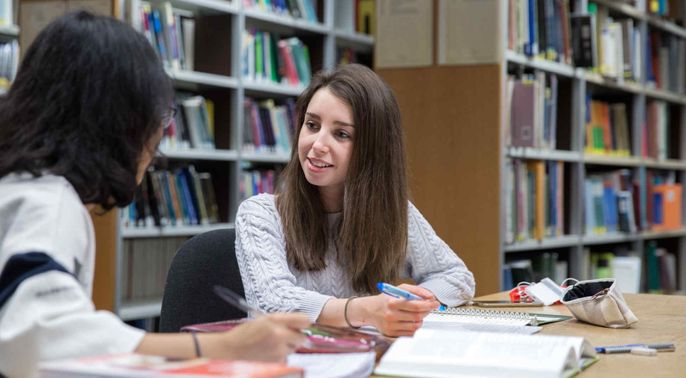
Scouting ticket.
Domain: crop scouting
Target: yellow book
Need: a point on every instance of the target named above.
(209, 105)
(366, 17)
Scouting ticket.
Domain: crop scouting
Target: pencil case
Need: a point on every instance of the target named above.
(599, 302)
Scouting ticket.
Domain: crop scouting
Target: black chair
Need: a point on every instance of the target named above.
(201, 262)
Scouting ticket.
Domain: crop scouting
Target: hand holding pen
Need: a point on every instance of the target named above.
(400, 293)
(401, 309)
(270, 337)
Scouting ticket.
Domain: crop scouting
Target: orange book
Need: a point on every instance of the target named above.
(667, 207)
(605, 123)
(138, 365)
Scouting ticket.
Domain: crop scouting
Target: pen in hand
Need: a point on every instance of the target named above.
(397, 292)
(237, 301)
(240, 303)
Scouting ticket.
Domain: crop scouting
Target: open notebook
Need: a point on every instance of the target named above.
(441, 353)
(476, 319)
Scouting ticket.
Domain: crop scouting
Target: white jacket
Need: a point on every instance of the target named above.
(49, 314)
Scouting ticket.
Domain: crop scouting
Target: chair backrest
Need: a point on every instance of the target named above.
(200, 263)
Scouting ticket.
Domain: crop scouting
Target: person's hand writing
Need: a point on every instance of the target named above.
(267, 338)
(400, 317)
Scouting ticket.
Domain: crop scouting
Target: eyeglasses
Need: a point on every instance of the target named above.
(168, 120)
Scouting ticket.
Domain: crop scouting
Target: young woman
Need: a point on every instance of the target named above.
(340, 221)
(78, 128)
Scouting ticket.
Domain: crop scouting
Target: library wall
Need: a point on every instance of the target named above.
(454, 180)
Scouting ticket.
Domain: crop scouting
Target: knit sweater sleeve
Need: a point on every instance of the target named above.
(261, 253)
(434, 264)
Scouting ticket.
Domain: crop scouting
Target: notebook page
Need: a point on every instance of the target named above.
(493, 316)
(442, 321)
(477, 327)
(448, 319)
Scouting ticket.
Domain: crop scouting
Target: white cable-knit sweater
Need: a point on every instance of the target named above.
(272, 285)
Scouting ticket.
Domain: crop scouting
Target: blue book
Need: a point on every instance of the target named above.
(159, 35)
(610, 208)
(658, 210)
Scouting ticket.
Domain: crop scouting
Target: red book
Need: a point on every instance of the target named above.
(138, 365)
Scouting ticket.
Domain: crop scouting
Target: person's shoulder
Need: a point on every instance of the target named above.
(263, 203)
(411, 208)
(43, 190)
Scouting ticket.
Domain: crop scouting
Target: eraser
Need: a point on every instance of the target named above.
(643, 351)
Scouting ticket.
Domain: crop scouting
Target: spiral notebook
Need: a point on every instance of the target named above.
(465, 315)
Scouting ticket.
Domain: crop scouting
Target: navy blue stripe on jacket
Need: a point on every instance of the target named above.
(23, 266)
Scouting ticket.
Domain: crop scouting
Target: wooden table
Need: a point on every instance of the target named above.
(661, 318)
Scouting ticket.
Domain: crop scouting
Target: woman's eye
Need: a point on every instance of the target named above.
(343, 135)
(311, 125)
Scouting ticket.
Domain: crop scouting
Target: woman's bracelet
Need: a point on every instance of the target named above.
(345, 312)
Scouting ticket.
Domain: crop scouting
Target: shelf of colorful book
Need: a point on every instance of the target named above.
(592, 77)
(285, 21)
(612, 83)
(202, 78)
(272, 88)
(622, 8)
(359, 40)
(614, 237)
(648, 235)
(265, 157)
(598, 159)
(633, 12)
(198, 154)
(140, 309)
(662, 94)
(667, 26)
(546, 243)
(170, 231)
(664, 164)
(540, 64)
(541, 154)
(196, 6)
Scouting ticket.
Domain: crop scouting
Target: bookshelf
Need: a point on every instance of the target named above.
(462, 141)
(139, 256)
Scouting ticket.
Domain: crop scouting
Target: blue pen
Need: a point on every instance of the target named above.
(397, 292)
(661, 347)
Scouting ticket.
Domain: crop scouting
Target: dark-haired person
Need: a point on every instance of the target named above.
(341, 221)
(78, 128)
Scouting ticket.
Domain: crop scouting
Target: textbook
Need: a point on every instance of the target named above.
(138, 365)
(320, 338)
(442, 354)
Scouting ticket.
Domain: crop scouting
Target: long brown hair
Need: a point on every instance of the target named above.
(372, 236)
